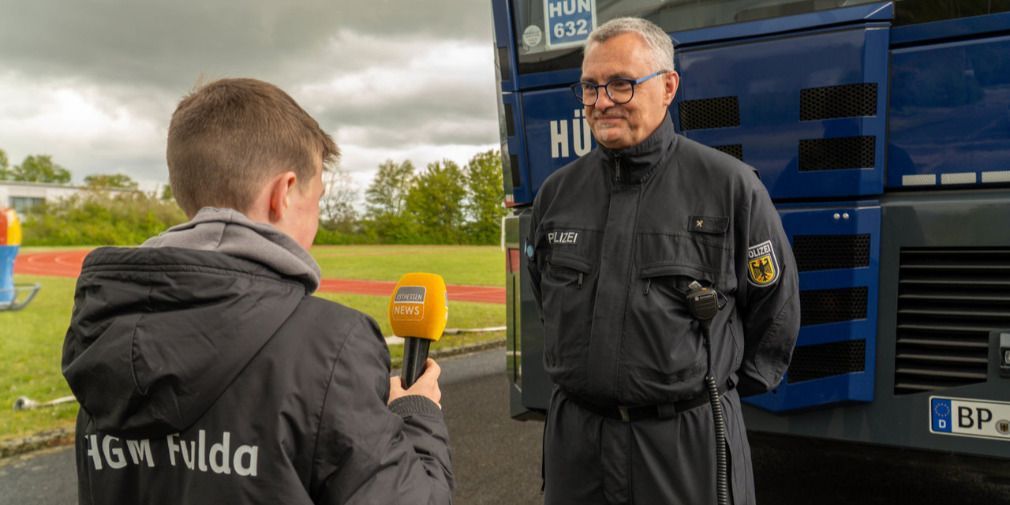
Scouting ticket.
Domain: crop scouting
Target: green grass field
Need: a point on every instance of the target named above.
(469, 265)
(472, 265)
(31, 340)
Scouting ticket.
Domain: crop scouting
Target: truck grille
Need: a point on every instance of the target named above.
(949, 299)
(837, 153)
(824, 360)
(825, 252)
(847, 100)
(721, 112)
(734, 150)
(833, 305)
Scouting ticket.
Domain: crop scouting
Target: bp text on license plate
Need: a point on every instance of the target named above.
(969, 418)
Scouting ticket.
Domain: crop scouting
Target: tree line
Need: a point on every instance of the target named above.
(41, 168)
(34, 168)
(443, 204)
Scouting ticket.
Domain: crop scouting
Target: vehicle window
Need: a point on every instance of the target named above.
(546, 46)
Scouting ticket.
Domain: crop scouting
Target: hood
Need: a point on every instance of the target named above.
(231, 232)
(158, 333)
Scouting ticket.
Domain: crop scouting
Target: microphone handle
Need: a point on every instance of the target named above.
(415, 353)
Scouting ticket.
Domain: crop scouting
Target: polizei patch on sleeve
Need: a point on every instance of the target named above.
(762, 265)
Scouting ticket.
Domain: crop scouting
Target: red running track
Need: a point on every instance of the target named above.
(68, 264)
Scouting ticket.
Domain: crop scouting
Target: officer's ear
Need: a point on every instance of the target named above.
(671, 81)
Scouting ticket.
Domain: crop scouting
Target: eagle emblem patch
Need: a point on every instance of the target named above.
(762, 265)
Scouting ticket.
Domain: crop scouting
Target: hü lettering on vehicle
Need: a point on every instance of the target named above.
(580, 140)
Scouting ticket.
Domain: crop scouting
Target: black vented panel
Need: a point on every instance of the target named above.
(949, 299)
(510, 122)
(734, 150)
(504, 63)
(514, 170)
(824, 360)
(848, 100)
(507, 169)
(837, 153)
(832, 305)
(824, 252)
(722, 112)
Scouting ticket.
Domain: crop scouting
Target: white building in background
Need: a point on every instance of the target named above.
(22, 196)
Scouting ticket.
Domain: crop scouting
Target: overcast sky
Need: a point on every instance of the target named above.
(94, 82)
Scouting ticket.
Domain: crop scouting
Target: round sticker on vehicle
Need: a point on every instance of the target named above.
(533, 36)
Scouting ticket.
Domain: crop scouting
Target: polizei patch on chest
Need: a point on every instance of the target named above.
(559, 237)
(762, 265)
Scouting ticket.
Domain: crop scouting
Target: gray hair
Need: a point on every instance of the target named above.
(660, 44)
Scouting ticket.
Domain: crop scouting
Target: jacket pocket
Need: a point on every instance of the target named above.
(663, 342)
(567, 288)
(567, 269)
(696, 255)
(677, 278)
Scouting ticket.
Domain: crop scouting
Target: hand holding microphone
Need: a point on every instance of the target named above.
(426, 385)
(418, 312)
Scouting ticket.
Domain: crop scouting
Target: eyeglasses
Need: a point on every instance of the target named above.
(620, 90)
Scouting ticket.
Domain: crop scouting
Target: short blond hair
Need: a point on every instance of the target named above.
(229, 136)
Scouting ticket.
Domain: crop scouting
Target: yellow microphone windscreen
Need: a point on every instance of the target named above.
(419, 306)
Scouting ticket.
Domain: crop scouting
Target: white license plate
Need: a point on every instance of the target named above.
(969, 418)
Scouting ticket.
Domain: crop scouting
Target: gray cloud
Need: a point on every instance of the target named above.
(429, 114)
(169, 44)
(471, 133)
(386, 76)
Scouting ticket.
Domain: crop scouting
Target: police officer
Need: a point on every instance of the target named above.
(621, 240)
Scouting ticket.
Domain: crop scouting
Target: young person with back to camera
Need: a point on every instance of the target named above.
(206, 371)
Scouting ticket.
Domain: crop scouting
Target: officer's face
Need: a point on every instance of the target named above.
(626, 56)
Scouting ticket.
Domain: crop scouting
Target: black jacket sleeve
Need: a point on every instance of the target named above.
(770, 303)
(368, 452)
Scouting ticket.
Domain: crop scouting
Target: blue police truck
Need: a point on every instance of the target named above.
(882, 132)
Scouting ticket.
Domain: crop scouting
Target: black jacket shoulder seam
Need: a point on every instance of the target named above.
(120, 267)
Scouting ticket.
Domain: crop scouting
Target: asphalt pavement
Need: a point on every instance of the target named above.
(40, 478)
(497, 460)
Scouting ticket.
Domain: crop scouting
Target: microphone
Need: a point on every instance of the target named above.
(418, 311)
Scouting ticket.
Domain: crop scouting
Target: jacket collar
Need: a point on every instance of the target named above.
(637, 163)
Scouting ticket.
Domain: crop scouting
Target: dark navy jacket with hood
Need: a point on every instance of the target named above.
(206, 373)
